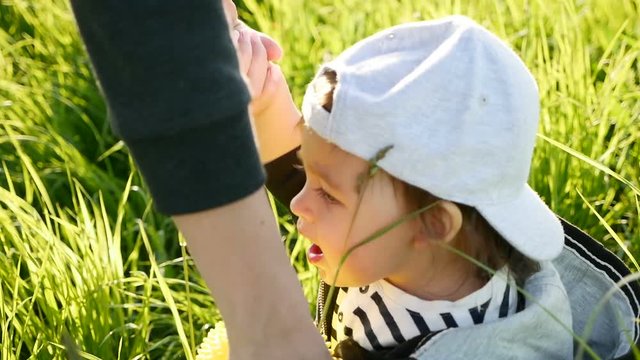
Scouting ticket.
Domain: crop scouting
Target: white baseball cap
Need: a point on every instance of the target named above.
(460, 109)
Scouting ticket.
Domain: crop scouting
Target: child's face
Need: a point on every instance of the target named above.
(332, 218)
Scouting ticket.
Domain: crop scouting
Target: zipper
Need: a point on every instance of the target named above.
(322, 320)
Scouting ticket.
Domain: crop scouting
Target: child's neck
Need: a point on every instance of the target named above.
(449, 280)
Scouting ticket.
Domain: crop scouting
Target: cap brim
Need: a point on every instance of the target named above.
(527, 224)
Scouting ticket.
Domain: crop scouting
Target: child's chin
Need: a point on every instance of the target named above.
(330, 279)
(340, 282)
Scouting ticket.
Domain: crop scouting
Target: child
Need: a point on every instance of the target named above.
(455, 112)
(416, 148)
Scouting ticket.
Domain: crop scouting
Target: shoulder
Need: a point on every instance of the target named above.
(603, 293)
(542, 330)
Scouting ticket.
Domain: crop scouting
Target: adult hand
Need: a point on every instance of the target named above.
(255, 50)
(253, 61)
(273, 111)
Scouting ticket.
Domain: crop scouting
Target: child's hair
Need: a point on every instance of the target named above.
(486, 245)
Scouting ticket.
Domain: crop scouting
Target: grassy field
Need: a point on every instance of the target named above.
(84, 256)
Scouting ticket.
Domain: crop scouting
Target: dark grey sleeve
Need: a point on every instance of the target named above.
(169, 73)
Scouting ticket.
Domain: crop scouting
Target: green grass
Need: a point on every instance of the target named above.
(83, 251)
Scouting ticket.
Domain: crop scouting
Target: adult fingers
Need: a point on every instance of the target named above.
(230, 12)
(274, 50)
(273, 80)
(235, 35)
(259, 65)
(244, 51)
(235, 25)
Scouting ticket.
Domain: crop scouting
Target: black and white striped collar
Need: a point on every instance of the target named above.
(381, 315)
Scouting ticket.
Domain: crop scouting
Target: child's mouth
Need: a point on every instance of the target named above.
(315, 254)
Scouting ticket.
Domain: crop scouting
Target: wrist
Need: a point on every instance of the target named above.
(278, 134)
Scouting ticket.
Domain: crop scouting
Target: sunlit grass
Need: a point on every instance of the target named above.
(63, 272)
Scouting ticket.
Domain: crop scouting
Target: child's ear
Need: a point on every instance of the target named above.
(441, 223)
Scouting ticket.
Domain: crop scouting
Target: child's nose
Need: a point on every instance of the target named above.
(300, 207)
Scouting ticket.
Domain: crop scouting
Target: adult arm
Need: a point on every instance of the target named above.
(170, 78)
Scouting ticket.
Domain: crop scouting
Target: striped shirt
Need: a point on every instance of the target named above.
(380, 315)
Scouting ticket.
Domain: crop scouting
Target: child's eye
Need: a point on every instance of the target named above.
(326, 196)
